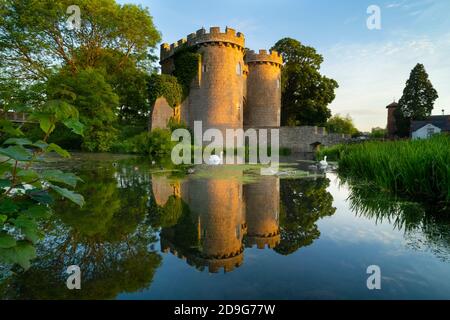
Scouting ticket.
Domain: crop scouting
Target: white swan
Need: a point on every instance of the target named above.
(215, 160)
(323, 163)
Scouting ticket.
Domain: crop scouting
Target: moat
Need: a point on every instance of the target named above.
(147, 232)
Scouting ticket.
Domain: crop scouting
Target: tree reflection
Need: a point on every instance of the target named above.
(426, 228)
(109, 238)
(303, 203)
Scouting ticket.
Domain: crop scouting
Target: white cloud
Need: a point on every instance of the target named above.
(370, 76)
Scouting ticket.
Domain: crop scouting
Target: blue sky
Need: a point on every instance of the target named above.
(371, 66)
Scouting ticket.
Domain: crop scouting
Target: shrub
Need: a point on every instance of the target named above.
(155, 144)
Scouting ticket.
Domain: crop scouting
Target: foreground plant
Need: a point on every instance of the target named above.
(26, 194)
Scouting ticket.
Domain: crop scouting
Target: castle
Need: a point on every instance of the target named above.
(234, 88)
(225, 216)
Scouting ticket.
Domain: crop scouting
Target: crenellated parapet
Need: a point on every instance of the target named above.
(270, 240)
(200, 261)
(214, 37)
(264, 56)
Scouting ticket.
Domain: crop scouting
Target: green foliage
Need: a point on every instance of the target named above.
(166, 86)
(96, 107)
(339, 124)
(305, 92)
(115, 41)
(155, 144)
(34, 35)
(417, 169)
(26, 193)
(186, 68)
(303, 203)
(109, 238)
(333, 153)
(417, 100)
(378, 133)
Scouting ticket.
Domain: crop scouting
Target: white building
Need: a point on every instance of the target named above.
(426, 128)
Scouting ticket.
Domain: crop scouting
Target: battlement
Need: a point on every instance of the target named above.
(263, 56)
(230, 37)
(199, 261)
(261, 241)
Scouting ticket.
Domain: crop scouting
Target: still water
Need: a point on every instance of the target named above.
(228, 233)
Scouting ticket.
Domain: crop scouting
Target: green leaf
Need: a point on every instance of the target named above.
(7, 127)
(21, 254)
(28, 226)
(62, 177)
(40, 196)
(40, 144)
(5, 183)
(46, 121)
(76, 126)
(38, 212)
(3, 218)
(58, 150)
(18, 141)
(72, 196)
(7, 206)
(6, 241)
(18, 153)
(27, 175)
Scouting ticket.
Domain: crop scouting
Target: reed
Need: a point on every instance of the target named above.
(419, 169)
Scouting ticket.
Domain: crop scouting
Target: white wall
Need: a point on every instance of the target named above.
(423, 132)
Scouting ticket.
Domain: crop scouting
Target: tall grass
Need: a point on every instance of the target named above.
(419, 169)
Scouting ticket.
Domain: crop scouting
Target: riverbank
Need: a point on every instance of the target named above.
(417, 169)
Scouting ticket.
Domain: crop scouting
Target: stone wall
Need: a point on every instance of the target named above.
(161, 114)
(305, 139)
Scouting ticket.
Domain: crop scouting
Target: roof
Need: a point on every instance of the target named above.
(392, 105)
(442, 122)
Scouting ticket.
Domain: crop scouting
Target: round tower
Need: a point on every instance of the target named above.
(263, 102)
(263, 221)
(216, 95)
(218, 208)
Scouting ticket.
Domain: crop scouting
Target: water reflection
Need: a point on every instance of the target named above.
(426, 228)
(215, 222)
(108, 238)
(208, 221)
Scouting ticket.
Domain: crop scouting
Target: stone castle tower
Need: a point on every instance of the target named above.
(234, 87)
(391, 125)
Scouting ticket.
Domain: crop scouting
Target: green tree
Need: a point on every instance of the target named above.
(303, 203)
(305, 92)
(378, 133)
(339, 124)
(96, 107)
(116, 40)
(417, 100)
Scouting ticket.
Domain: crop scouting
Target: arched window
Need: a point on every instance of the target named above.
(278, 83)
(239, 69)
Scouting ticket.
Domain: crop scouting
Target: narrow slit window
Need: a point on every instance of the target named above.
(239, 69)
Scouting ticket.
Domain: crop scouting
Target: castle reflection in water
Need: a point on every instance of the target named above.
(218, 217)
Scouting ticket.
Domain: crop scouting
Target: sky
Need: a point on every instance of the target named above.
(371, 66)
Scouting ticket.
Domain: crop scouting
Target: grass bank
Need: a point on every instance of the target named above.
(419, 169)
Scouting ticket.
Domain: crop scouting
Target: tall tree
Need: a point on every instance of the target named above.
(305, 92)
(117, 41)
(417, 100)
